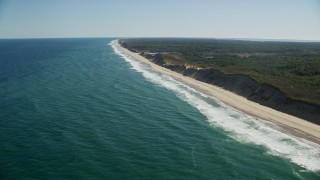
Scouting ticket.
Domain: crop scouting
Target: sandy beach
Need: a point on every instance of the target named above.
(294, 125)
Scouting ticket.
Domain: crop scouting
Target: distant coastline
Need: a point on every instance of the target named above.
(294, 125)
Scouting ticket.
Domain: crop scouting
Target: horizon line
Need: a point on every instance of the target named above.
(177, 37)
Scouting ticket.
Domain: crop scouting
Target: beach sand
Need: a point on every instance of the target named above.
(293, 125)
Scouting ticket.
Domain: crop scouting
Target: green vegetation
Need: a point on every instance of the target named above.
(293, 67)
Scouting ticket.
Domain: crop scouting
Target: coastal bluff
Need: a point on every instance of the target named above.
(261, 93)
(247, 87)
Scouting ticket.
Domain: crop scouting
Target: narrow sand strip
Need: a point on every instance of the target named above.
(294, 125)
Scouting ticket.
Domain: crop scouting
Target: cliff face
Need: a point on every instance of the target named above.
(263, 94)
(247, 87)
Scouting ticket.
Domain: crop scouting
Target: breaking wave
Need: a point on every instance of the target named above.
(236, 124)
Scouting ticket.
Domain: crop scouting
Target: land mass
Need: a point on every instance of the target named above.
(284, 76)
(294, 125)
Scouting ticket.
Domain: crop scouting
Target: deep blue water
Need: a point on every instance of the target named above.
(78, 108)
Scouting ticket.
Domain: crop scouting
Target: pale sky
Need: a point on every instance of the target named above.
(263, 19)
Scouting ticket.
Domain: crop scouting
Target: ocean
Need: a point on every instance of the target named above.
(80, 109)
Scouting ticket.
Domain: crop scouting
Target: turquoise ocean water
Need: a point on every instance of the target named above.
(79, 109)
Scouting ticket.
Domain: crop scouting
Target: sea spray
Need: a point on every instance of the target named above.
(236, 124)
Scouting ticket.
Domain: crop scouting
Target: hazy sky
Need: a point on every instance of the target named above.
(275, 19)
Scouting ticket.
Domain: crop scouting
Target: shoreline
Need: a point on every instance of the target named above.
(296, 126)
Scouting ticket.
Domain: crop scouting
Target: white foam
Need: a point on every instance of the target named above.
(239, 125)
